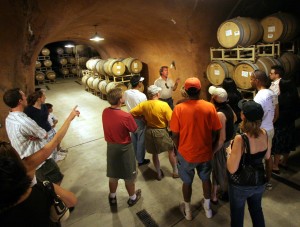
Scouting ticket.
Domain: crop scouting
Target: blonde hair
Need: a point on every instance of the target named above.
(251, 127)
(114, 95)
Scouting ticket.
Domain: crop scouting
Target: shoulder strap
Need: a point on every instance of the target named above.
(246, 144)
(50, 188)
(245, 148)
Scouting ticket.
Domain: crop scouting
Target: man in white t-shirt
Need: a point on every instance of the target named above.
(269, 102)
(132, 98)
(167, 85)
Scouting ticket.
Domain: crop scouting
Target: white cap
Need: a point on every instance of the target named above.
(153, 90)
(219, 94)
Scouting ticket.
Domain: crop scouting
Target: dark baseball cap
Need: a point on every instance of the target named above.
(251, 109)
(135, 79)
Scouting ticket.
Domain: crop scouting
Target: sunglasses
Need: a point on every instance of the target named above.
(167, 86)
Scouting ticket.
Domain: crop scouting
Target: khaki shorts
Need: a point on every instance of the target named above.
(158, 141)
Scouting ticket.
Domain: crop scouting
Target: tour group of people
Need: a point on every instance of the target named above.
(216, 138)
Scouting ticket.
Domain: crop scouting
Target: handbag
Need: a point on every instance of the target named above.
(247, 175)
(58, 211)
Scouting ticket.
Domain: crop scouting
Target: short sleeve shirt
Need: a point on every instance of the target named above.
(268, 100)
(195, 120)
(117, 125)
(133, 97)
(156, 113)
(166, 86)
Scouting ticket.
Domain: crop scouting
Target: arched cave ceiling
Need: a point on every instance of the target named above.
(155, 31)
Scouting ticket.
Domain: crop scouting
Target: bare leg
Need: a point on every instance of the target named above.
(276, 161)
(156, 162)
(113, 185)
(187, 192)
(284, 160)
(173, 161)
(214, 193)
(130, 187)
(206, 185)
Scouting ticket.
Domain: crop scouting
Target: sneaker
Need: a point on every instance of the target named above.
(62, 153)
(59, 157)
(186, 214)
(131, 202)
(269, 186)
(208, 211)
(112, 201)
(145, 162)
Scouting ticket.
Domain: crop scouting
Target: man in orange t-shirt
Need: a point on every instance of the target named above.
(195, 126)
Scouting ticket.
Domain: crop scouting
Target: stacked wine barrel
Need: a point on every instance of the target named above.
(43, 69)
(245, 32)
(67, 62)
(104, 75)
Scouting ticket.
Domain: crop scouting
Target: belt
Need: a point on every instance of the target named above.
(166, 99)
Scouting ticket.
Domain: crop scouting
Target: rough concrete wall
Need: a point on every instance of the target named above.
(157, 32)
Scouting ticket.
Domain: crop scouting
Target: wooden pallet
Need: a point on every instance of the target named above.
(235, 54)
(125, 78)
(41, 57)
(268, 50)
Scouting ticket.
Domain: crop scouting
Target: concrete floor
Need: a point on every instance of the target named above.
(85, 175)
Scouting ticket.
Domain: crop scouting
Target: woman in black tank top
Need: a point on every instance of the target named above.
(255, 140)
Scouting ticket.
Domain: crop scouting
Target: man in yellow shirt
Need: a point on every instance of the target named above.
(157, 140)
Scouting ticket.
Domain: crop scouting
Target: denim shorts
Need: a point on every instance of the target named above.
(186, 170)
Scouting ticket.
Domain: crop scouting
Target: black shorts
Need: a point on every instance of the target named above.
(49, 171)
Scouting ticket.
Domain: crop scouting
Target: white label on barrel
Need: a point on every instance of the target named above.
(135, 65)
(217, 72)
(245, 74)
(228, 33)
(118, 67)
(236, 33)
(270, 36)
(271, 28)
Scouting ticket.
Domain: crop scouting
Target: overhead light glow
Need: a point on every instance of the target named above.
(69, 45)
(96, 38)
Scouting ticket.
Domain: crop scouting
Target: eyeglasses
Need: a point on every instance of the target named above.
(167, 86)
